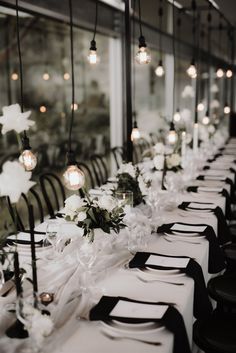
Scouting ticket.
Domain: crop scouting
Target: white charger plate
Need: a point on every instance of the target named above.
(156, 273)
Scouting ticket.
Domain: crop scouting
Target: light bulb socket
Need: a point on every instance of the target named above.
(192, 62)
(135, 125)
(177, 110)
(25, 143)
(142, 42)
(207, 113)
(226, 104)
(70, 157)
(93, 45)
(160, 63)
(172, 126)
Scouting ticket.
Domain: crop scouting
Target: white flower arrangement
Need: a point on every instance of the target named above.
(14, 181)
(173, 161)
(127, 168)
(159, 148)
(38, 325)
(104, 213)
(158, 162)
(14, 119)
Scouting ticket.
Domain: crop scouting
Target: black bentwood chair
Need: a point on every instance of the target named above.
(118, 154)
(100, 168)
(53, 192)
(89, 176)
(20, 213)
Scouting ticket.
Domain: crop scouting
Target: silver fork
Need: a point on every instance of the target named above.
(118, 338)
(183, 241)
(159, 280)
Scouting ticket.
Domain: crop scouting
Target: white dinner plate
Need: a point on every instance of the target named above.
(116, 325)
(184, 236)
(156, 273)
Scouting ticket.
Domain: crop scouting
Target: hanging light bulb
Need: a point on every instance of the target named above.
(177, 115)
(143, 56)
(46, 76)
(66, 76)
(200, 107)
(160, 69)
(14, 76)
(172, 136)
(27, 157)
(219, 73)
(93, 57)
(206, 118)
(226, 108)
(74, 178)
(135, 134)
(229, 73)
(192, 71)
(42, 109)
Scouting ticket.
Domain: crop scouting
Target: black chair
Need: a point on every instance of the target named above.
(20, 213)
(100, 169)
(230, 256)
(216, 334)
(9, 157)
(53, 192)
(118, 154)
(223, 290)
(88, 174)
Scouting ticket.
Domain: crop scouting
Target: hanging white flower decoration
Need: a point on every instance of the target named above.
(188, 91)
(214, 88)
(186, 115)
(215, 104)
(14, 119)
(14, 181)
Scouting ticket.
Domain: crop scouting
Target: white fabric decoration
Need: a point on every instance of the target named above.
(188, 92)
(13, 119)
(14, 180)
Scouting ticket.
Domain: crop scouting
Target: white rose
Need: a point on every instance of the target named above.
(107, 202)
(74, 202)
(173, 161)
(81, 217)
(142, 185)
(211, 129)
(159, 148)
(158, 162)
(127, 168)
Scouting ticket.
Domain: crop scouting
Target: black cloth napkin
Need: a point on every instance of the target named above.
(216, 260)
(202, 305)
(226, 180)
(172, 319)
(224, 193)
(223, 231)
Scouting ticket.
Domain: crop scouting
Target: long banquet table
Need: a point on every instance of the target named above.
(70, 309)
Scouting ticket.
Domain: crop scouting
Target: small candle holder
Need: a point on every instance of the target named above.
(46, 298)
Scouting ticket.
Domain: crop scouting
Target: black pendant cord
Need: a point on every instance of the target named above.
(197, 68)
(140, 18)
(173, 50)
(202, 37)
(209, 18)
(178, 34)
(133, 66)
(194, 27)
(72, 76)
(20, 62)
(160, 14)
(96, 21)
(220, 27)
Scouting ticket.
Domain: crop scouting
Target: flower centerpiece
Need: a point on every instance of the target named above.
(164, 159)
(130, 179)
(103, 213)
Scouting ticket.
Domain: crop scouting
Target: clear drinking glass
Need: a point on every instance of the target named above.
(124, 198)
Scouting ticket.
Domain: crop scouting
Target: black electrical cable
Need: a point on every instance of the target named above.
(173, 49)
(72, 75)
(160, 14)
(209, 19)
(133, 76)
(178, 34)
(20, 61)
(96, 21)
(140, 18)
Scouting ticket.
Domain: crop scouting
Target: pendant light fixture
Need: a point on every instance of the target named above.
(135, 134)
(219, 70)
(177, 116)
(143, 56)
(160, 69)
(93, 58)
(44, 41)
(229, 72)
(192, 71)
(27, 157)
(74, 178)
(172, 136)
(226, 108)
(200, 105)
